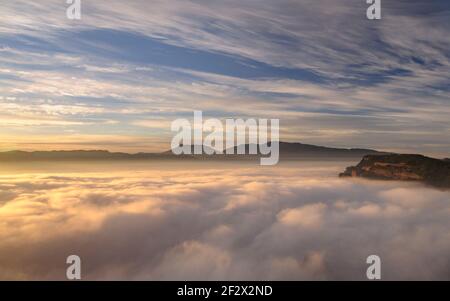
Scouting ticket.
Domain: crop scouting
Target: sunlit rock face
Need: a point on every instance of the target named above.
(402, 167)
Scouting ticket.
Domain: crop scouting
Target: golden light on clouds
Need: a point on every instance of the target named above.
(194, 220)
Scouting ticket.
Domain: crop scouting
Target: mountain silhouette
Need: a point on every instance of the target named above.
(287, 151)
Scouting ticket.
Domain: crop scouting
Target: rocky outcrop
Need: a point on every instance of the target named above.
(431, 171)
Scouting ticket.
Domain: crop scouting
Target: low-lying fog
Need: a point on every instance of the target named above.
(207, 221)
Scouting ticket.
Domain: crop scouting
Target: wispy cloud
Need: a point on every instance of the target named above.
(319, 66)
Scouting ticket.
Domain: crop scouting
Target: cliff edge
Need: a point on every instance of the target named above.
(402, 167)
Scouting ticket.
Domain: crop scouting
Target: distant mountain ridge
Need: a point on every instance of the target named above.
(287, 151)
(73, 155)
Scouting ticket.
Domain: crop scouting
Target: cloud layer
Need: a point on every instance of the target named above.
(200, 222)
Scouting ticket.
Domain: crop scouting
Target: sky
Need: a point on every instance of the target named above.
(118, 77)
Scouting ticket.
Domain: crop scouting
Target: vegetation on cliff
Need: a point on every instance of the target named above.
(431, 171)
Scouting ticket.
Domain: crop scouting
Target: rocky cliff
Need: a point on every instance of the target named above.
(432, 171)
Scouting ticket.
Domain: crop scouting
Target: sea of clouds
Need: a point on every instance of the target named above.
(255, 223)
